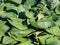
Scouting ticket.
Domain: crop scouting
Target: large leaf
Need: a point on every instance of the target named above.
(17, 23)
(21, 39)
(3, 29)
(52, 41)
(18, 33)
(10, 15)
(10, 6)
(45, 22)
(54, 30)
(43, 38)
(19, 8)
(14, 20)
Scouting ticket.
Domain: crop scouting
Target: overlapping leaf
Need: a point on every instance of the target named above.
(29, 22)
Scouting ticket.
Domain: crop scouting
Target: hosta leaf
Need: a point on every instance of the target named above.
(45, 22)
(2, 14)
(17, 23)
(21, 8)
(43, 38)
(8, 40)
(54, 30)
(52, 3)
(52, 41)
(9, 15)
(57, 9)
(3, 27)
(29, 14)
(18, 33)
(57, 22)
(33, 23)
(21, 39)
(29, 3)
(45, 10)
(14, 19)
(10, 6)
(29, 22)
(46, 18)
(1, 5)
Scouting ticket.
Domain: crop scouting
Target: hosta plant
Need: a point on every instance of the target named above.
(29, 22)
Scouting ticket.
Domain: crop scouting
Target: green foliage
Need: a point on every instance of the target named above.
(29, 22)
(52, 3)
(8, 40)
(57, 10)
